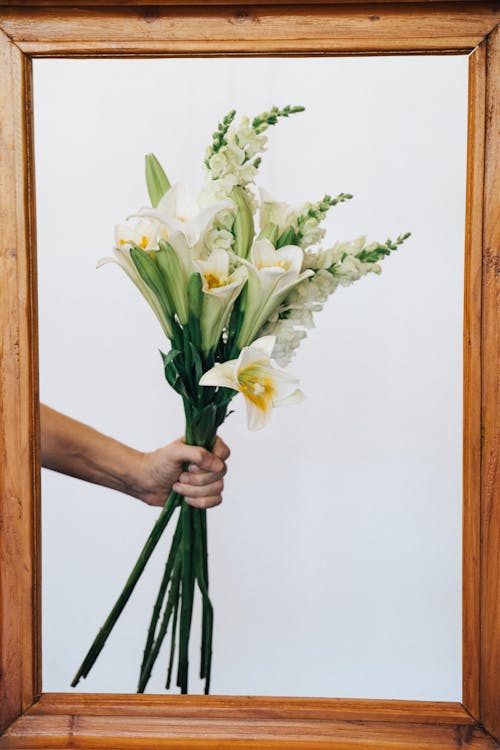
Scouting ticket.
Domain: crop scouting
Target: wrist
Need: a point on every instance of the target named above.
(141, 482)
(135, 476)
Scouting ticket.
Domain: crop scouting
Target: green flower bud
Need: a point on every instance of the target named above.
(156, 180)
(270, 232)
(173, 278)
(195, 294)
(149, 273)
(243, 227)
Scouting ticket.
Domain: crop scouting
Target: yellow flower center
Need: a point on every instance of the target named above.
(214, 282)
(256, 386)
(284, 264)
(143, 242)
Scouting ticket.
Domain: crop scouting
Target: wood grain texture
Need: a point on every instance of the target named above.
(472, 382)
(239, 707)
(158, 722)
(251, 30)
(19, 514)
(179, 3)
(490, 470)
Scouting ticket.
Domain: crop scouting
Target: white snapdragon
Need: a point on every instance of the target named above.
(219, 239)
(217, 190)
(231, 160)
(219, 164)
(288, 340)
(317, 259)
(351, 247)
(301, 316)
(333, 267)
(310, 233)
(245, 136)
(234, 158)
(313, 293)
(327, 258)
(352, 269)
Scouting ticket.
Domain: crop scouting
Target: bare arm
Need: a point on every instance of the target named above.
(73, 448)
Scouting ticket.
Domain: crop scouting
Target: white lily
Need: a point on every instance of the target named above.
(221, 289)
(262, 385)
(122, 258)
(273, 212)
(271, 275)
(179, 212)
(144, 234)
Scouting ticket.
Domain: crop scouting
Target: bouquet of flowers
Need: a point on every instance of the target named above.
(230, 297)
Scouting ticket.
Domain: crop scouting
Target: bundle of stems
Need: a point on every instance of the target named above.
(186, 568)
(186, 565)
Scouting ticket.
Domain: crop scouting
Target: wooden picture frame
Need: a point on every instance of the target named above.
(31, 719)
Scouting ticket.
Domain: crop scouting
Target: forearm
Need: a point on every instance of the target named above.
(73, 448)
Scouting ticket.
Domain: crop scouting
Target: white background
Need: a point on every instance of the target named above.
(335, 557)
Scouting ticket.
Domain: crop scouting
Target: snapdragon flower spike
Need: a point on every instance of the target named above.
(262, 385)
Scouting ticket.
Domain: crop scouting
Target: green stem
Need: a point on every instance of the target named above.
(204, 561)
(161, 595)
(122, 600)
(208, 613)
(187, 596)
(173, 597)
(172, 645)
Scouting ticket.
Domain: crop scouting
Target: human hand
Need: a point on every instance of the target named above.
(162, 470)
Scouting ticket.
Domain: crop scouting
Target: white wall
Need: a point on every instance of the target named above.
(335, 557)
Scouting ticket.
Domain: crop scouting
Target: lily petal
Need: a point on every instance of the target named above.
(296, 397)
(265, 344)
(257, 418)
(222, 375)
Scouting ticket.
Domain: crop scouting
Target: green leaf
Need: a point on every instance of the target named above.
(172, 364)
(197, 363)
(287, 238)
